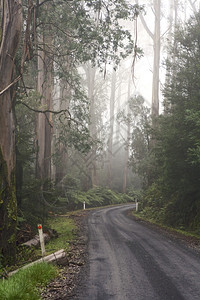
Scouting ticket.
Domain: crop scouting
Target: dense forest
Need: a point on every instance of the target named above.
(74, 129)
(174, 193)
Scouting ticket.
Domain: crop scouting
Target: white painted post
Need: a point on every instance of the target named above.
(41, 239)
(136, 206)
(84, 205)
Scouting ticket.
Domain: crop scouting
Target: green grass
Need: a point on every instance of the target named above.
(24, 284)
(65, 228)
(151, 220)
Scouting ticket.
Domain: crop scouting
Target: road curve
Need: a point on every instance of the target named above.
(128, 260)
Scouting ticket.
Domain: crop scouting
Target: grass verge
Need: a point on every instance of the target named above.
(65, 228)
(24, 284)
(184, 233)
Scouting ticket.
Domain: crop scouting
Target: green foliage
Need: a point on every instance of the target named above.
(139, 121)
(24, 284)
(174, 197)
(74, 33)
(100, 196)
(151, 203)
(135, 194)
(93, 30)
(33, 206)
(24, 255)
(72, 198)
(64, 228)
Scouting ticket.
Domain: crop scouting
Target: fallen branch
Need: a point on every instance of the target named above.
(56, 256)
(35, 242)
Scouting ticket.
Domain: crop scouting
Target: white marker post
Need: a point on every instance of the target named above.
(84, 205)
(136, 205)
(41, 239)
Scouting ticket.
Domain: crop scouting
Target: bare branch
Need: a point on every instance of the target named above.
(146, 27)
(193, 5)
(10, 85)
(145, 24)
(45, 1)
(44, 111)
(57, 27)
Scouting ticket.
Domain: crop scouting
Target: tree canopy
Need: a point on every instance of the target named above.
(176, 186)
(45, 111)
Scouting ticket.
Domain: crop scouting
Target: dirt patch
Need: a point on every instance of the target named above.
(63, 287)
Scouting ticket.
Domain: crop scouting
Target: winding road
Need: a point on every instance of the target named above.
(130, 261)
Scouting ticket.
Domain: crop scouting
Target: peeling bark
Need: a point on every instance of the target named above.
(11, 24)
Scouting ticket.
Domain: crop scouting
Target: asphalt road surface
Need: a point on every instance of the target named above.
(130, 261)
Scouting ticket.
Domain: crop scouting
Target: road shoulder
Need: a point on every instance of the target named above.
(190, 242)
(64, 286)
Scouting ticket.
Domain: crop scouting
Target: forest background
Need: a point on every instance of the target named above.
(79, 121)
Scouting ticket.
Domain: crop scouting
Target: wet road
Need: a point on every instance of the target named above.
(128, 260)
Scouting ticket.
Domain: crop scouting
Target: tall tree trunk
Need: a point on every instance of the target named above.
(43, 127)
(173, 21)
(118, 127)
(91, 162)
(11, 25)
(92, 126)
(126, 158)
(111, 128)
(156, 60)
(62, 104)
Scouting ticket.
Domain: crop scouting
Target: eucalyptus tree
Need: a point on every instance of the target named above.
(173, 23)
(97, 93)
(53, 31)
(127, 147)
(111, 126)
(11, 27)
(138, 122)
(155, 35)
(177, 148)
(45, 89)
(84, 31)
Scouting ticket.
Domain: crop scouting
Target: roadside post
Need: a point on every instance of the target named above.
(136, 205)
(84, 205)
(41, 239)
